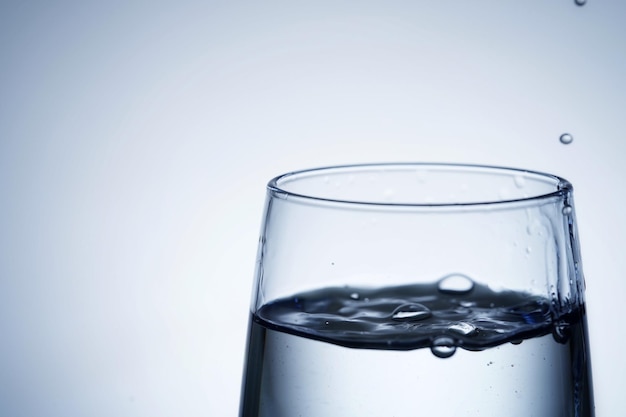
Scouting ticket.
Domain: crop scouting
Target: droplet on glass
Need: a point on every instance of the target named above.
(411, 312)
(505, 193)
(443, 347)
(561, 332)
(519, 181)
(566, 138)
(455, 284)
(466, 329)
(420, 175)
(567, 210)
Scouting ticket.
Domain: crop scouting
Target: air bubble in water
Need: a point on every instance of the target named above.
(411, 312)
(443, 347)
(566, 210)
(455, 284)
(566, 138)
(354, 295)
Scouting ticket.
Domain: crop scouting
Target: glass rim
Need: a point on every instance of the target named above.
(561, 185)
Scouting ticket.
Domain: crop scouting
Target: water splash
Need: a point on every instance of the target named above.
(466, 329)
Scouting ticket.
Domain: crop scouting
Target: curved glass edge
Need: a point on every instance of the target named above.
(563, 187)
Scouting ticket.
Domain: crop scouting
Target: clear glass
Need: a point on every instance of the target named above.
(418, 289)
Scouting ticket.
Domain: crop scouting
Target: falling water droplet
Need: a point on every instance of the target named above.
(567, 210)
(443, 347)
(455, 284)
(566, 139)
(580, 2)
(411, 312)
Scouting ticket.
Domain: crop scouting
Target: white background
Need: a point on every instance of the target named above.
(136, 140)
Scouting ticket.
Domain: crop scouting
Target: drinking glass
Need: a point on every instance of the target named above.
(418, 290)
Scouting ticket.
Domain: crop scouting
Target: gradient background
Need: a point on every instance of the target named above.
(136, 140)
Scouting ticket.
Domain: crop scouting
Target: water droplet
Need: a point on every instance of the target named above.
(519, 181)
(411, 312)
(580, 2)
(529, 249)
(467, 304)
(516, 342)
(354, 295)
(421, 175)
(567, 210)
(456, 284)
(566, 138)
(466, 329)
(462, 310)
(443, 347)
(561, 332)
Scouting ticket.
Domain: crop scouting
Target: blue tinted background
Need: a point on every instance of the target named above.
(136, 140)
